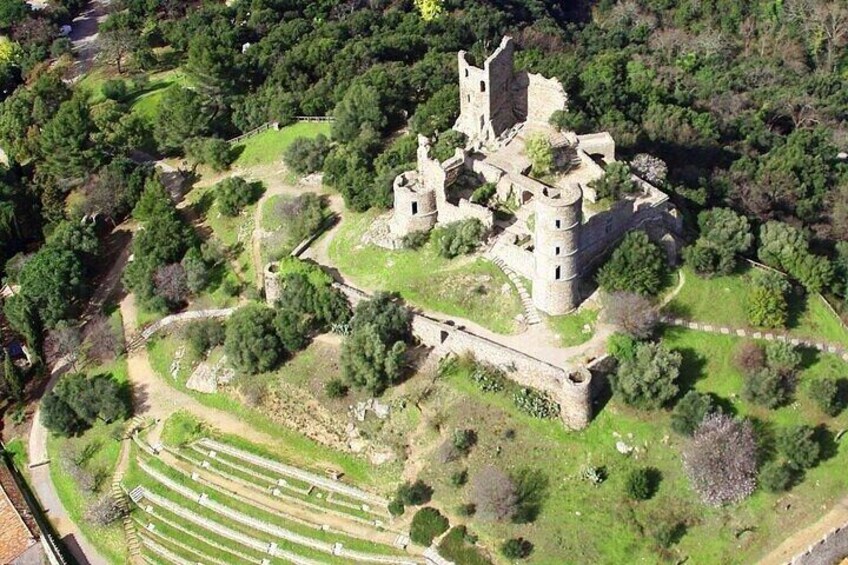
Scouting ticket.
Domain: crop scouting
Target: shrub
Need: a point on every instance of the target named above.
(826, 394)
(750, 358)
(766, 300)
(637, 265)
(115, 89)
(335, 388)
(414, 494)
(616, 182)
(633, 313)
(776, 476)
(483, 193)
(721, 460)
(415, 239)
(535, 403)
(396, 507)
(641, 484)
(459, 478)
(622, 347)
(690, 411)
(767, 388)
(305, 155)
(459, 238)
(427, 524)
(203, 335)
(800, 447)
(234, 193)
(516, 548)
(494, 494)
(649, 380)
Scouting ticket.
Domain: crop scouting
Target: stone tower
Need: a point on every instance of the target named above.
(487, 108)
(557, 249)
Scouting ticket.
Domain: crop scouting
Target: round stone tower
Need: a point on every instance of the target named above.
(575, 399)
(415, 206)
(556, 250)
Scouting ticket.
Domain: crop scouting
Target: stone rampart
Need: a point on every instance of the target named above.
(830, 550)
(570, 387)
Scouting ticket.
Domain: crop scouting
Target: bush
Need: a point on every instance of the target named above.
(776, 476)
(335, 388)
(622, 347)
(305, 155)
(396, 507)
(766, 300)
(212, 151)
(690, 411)
(415, 239)
(203, 335)
(234, 193)
(767, 388)
(637, 265)
(494, 494)
(826, 394)
(459, 238)
(516, 548)
(649, 380)
(721, 460)
(641, 484)
(414, 494)
(115, 89)
(483, 193)
(635, 314)
(800, 447)
(427, 524)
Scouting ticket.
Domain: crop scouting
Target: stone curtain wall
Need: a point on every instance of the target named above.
(830, 550)
(573, 394)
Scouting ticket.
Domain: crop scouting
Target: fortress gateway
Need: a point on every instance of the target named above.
(559, 229)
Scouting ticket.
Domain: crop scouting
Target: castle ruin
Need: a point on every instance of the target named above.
(559, 229)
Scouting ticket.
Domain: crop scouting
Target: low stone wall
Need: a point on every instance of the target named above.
(830, 550)
(570, 386)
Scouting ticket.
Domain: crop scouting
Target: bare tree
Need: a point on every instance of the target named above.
(721, 460)
(633, 313)
(171, 283)
(494, 494)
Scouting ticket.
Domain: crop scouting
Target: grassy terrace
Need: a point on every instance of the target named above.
(109, 540)
(464, 287)
(268, 146)
(257, 510)
(721, 300)
(582, 523)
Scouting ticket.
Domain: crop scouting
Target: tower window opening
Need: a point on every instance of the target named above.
(482, 86)
(414, 208)
(558, 273)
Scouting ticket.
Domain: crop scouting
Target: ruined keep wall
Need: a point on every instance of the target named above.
(544, 97)
(557, 253)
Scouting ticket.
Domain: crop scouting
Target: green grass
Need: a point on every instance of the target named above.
(18, 450)
(582, 523)
(290, 445)
(267, 147)
(721, 300)
(571, 328)
(468, 288)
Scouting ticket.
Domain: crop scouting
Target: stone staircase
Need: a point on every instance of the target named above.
(531, 315)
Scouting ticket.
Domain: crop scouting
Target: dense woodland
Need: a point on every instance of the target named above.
(745, 101)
